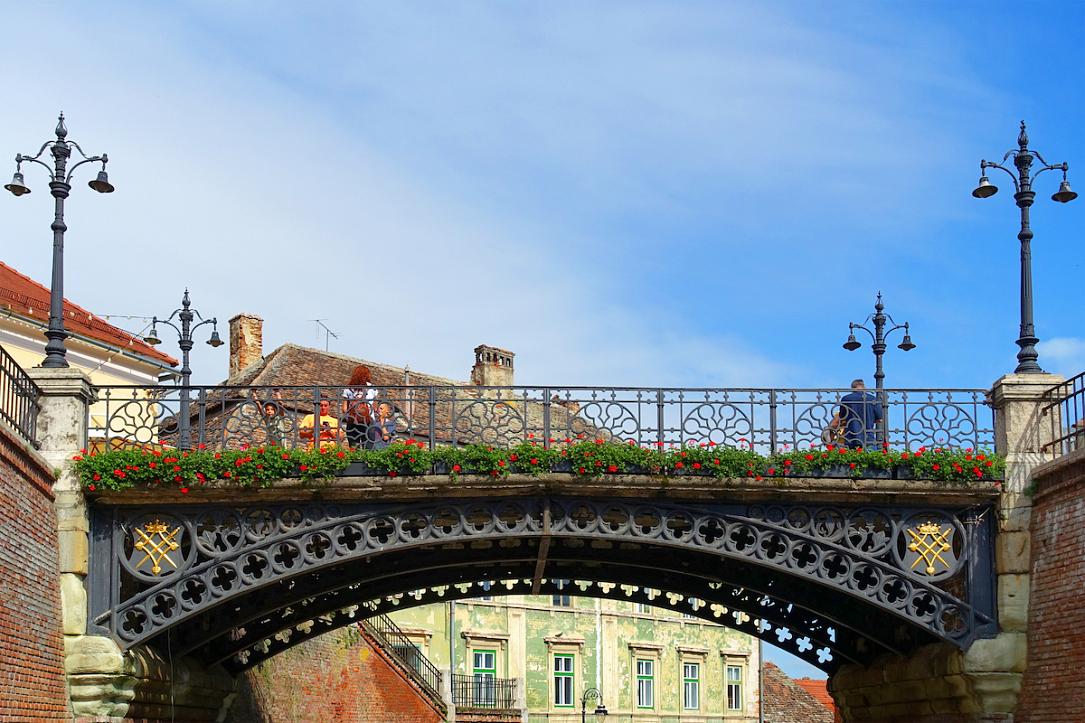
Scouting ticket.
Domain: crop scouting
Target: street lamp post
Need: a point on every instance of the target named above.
(1024, 196)
(60, 177)
(878, 336)
(186, 315)
(600, 709)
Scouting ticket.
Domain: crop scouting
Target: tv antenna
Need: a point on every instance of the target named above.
(328, 333)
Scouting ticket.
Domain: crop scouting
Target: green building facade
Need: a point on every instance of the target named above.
(650, 664)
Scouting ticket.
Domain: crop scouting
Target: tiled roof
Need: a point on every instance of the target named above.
(293, 365)
(819, 689)
(29, 300)
(785, 701)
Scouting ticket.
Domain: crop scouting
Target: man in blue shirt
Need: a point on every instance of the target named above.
(861, 416)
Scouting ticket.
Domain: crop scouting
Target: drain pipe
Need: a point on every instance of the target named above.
(760, 681)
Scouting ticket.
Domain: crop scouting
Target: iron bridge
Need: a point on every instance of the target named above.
(234, 583)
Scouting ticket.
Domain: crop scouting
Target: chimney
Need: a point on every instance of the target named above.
(246, 342)
(493, 367)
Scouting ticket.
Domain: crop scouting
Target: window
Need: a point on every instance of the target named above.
(691, 686)
(645, 683)
(642, 608)
(734, 687)
(561, 600)
(484, 664)
(563, 681)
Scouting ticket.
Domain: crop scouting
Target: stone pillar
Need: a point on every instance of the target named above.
(982, 683)
(493, 367)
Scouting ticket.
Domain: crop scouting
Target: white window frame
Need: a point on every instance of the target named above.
(734, 688)
(646, 683)
(564, 677)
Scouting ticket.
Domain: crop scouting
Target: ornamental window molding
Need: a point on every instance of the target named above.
(480, 638)
(692, 651)
(560, 641)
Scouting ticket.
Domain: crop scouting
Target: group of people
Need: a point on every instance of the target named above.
(363, 422)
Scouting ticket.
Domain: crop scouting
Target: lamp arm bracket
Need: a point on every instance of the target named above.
(1052, 167)
(92, 159)
(895, 327)
(168, 323)
(202, 321)
(41, 150)
(45, 165)
(868, 331)
(1011, 174)
(1037, 154)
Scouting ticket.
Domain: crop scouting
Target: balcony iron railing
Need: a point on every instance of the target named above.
(1064, 408)
(19, 398)
(484, 691)
(393, 640)
(763, 419)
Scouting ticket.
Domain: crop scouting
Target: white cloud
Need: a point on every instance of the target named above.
(1062, 355)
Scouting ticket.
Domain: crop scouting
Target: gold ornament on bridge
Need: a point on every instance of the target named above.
(930, 540)
(157, 550)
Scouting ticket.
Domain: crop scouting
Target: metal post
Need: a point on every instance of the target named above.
(546, 419)
(59, 186)
(1024, 196)
(186, 373)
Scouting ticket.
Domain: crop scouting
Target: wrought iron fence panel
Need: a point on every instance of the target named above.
(1064, 408)
(19, 398)
(483, 691)
(765, 420)
(388, 634)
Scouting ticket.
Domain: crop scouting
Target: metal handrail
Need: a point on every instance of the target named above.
(393, 640)
(766, 420)
(1064, 406)
(19, 398)
(483, 691)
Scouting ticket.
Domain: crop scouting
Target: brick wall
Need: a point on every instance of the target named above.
(1054, 687)
(330, 679)
(32, 686)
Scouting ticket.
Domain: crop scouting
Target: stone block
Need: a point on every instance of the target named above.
(997, 692)
(1017, 516)
(1013, 552)
(1013, 599)
(73, 602)
(73, 551)
(1004, 653)
(92, 655)
(932, 661)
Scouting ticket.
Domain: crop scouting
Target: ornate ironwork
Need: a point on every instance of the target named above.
(388, 635)
(19, 398)
(764, 419)
(831, 584)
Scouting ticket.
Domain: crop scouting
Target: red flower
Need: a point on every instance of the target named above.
(841, 450)
(787, 462)
(500, 463)
(97, 477)
(696, 465)
(456, 468)
(771, 470)
(717, 462)
(201, 445)
(82, 451)
(749, 473)
(904, 455)
(342, 454)
(534, 460)
(177, 478)
(513, 457)
(200, 477)
(809, 458)
(612, 468)
(152, 465)
(531, 435)
(679, 465)
(91, 487)
(304, 467)
(598, 441)
(184, 490)
(988, 463)
(493, 472)
(936, 467)
(77, 458)
(286, 456)
(598, 463)
(392, 473)
(852, 465)
(581, 470)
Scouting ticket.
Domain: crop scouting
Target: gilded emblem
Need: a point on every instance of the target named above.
(929, 541)
(156, 542)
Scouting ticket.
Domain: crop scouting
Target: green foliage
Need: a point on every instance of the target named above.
(259, 467)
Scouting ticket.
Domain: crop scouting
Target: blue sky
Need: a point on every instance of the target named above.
(696, 194)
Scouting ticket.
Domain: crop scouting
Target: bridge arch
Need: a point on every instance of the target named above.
(833, 584)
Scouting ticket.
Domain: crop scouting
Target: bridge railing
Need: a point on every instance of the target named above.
(1064, 408)
(395, 642)
(19, 398)
(762, 419)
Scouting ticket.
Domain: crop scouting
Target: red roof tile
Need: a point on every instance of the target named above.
(785, 701)
(819, 689)
(30, 300)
